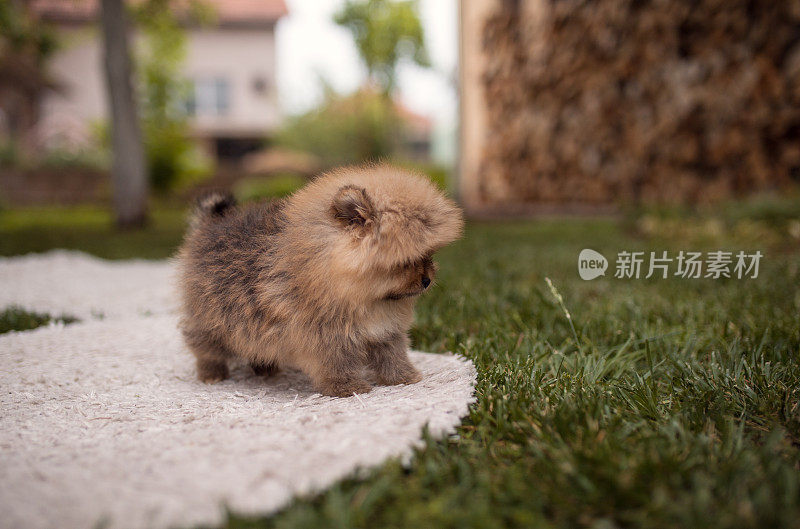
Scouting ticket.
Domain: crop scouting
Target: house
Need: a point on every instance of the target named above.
(418, 132)
(230, 64)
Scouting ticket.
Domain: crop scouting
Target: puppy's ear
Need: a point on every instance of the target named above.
(352, 207)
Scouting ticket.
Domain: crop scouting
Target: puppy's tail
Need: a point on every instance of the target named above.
(213, 204)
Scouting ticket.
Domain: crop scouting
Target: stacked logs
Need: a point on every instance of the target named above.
(601, 101)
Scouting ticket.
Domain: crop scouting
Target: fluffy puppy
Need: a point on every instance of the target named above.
(324, 281)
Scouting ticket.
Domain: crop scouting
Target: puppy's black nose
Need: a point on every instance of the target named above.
(426, 281)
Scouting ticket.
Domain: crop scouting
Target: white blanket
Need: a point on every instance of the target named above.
(104, 421)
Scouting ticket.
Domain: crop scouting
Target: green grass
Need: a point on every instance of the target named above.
(17, 319)
(672, 402)
(89, 229)
(257, 188)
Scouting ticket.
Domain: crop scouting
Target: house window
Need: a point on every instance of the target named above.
(209, 97)
(260, 85)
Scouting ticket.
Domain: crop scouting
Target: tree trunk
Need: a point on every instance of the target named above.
(129, 175)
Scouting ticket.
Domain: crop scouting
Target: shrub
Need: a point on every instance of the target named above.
(9, 154)
(173, 159)
(345, 129)
(96, 159)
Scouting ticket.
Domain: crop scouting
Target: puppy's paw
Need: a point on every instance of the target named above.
(263, 370)
(405, 375)
(344, 387)
(211, 373)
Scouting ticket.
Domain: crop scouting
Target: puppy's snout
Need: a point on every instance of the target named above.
(428, 272)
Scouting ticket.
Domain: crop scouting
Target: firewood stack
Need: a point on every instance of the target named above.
(602, 101)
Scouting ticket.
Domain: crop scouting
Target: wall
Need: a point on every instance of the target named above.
(237, 54)
(472, 111)
(590, 103)
(68, 116)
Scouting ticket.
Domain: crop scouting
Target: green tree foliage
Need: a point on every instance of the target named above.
(25, 46)
(173, 158)
(385, 32)
(345, 129)
(23, 38)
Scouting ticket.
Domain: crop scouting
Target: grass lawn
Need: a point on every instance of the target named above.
(17, 319)
(638, 402)
(89, 229)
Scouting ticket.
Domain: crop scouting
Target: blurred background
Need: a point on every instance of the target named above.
(517, 108)
(253, 95)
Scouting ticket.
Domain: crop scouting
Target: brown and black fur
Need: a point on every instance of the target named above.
(324, 281)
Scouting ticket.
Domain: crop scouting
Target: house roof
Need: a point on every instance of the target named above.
(418, 122)
(229, 12)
